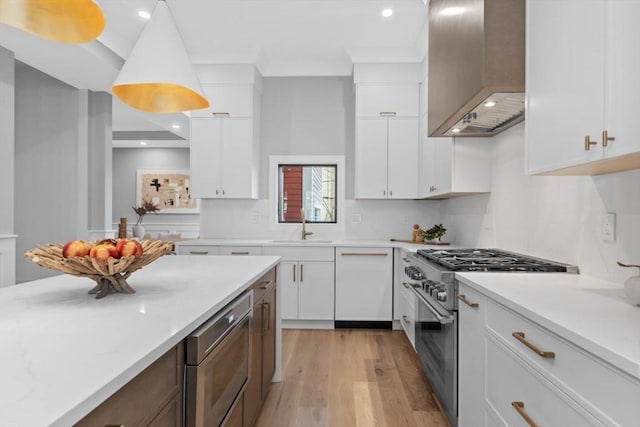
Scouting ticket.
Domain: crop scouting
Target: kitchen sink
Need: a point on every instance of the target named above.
(302, 241)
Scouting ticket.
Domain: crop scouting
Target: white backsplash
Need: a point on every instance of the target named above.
(550, 216)
(380, 220)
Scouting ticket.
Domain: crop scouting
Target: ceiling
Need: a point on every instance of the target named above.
(282, 37)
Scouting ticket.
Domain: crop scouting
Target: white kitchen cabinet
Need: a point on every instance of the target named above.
(224, 158)
(403, 298)
(306, 280)
(226, 100)
(580, 84)
(471, 336)
(387, 157)
(454, 166)
(364, 284)
(399, 99)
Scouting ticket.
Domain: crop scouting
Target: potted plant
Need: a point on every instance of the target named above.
(434, 234)
(145, 207)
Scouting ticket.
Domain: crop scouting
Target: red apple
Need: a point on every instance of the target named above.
(128, 247)
(75, 248)
(103, 251)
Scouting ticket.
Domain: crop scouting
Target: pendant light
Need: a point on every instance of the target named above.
(158, 76)
(67, 21)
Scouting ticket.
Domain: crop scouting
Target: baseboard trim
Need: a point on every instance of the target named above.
(307, 324)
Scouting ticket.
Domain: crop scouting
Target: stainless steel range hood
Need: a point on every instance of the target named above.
(476, 66)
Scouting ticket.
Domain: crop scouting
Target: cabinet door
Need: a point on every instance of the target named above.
(401, 99)
(371, 158)
(444, 152)
(268, 341)
(471, 329)
(205, 152)
(237, 159)
(402, 165)
(364, 284)
(316, 290)
(565, 82)
(427, 167)
(623, 69)
(288, 280)
(234, 100)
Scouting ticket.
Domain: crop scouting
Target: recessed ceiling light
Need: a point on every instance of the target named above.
(144, 14)
(143, 142)
(176, 126)
(387, 13)
(452, 11)
(455, 130)
(489, 104)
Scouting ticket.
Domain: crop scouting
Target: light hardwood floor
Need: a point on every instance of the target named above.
(349, 377)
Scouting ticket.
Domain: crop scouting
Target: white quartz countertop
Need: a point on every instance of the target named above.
(64, 352)
(358, 243)
(594, 314)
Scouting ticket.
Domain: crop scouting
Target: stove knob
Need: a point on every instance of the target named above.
(442, 296)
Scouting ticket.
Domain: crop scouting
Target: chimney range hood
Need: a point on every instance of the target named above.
(476, 64)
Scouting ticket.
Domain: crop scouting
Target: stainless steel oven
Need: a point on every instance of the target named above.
(217, 370)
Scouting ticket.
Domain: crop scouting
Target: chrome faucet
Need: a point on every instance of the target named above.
(305, 233)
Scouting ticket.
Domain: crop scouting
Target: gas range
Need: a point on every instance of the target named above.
(432, 271)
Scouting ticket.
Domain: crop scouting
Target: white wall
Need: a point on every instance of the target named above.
(126, 161)
(552, 217)
(312, 116)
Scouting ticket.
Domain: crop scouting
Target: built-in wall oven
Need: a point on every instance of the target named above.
(432, 279)
(217, 358)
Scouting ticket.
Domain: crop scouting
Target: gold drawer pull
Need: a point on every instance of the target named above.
(363, 254)
(239, 253)
(606, 138)
(546, 354)
(388, 113)
(463, 298)
(588, 143)
(406, 320)
(266, 284)
(221, 114)
(519, 407)
(405, 284)
(199, 252)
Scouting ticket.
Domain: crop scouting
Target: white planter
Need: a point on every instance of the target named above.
(138, 231)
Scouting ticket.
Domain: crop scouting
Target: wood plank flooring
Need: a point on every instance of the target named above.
(349, 377)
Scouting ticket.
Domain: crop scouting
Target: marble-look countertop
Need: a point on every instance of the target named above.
(64, 352)
(593, 314)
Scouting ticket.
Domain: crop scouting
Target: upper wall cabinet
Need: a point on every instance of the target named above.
(582, 87)
(225, 143)
(387, 130)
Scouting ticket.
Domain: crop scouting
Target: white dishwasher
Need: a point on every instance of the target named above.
(364, 287)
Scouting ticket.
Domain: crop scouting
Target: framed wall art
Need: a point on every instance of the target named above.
(168, 189)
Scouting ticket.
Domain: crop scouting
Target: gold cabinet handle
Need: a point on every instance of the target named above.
(302, 272)
(220, 114)
(294, 273)
(405, 284)
(406, 320)
(266, 284)
(519, 407)
(388, 113)
(606, 138)
(463, 298)
(546, 354)
(363, 254)
(199, 252)
(239, 253)
(588, 143)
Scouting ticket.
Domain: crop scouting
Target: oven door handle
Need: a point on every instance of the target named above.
(444, 320)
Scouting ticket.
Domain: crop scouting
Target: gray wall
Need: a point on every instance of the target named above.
(126, 161)
(7, 90)
(46, 165)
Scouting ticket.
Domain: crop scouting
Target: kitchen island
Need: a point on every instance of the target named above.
(65, 352)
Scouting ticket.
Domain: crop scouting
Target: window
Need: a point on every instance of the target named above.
(308, 190)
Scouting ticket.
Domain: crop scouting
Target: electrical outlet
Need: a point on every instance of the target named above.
(608, 227)
(356, 219)
(254, 219)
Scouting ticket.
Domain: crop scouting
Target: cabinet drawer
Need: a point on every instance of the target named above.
(511, 380)
(408, 295)
(401, 99)
(240, 250)
(232, 99)
(407, 319)
(584, 377)
(316, 253)
(141, 399)
(263, 285)
(198, 250)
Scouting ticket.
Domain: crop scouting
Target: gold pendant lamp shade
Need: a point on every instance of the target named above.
(66, 21)
(158, 76)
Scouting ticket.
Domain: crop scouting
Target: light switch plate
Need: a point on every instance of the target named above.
(608, 227)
